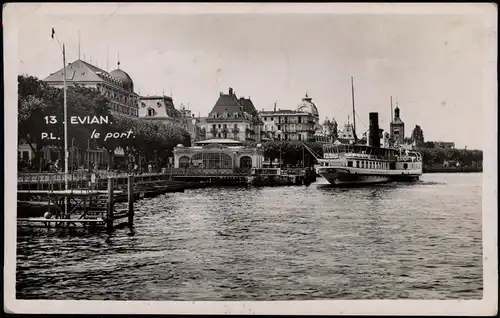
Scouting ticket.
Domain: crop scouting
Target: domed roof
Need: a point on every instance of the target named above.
(128, 84)
(307, 106)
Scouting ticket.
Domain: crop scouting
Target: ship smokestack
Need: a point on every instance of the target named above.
(374, 137)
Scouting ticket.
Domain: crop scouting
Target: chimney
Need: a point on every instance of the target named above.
(221, 93)
(230, 91)
(275, 106)
(374, 136)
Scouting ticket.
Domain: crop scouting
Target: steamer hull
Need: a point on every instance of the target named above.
(347, 177)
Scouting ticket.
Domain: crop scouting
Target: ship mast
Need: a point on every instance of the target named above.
(392, 118)
(353, 110)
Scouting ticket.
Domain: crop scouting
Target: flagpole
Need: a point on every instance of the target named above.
(65, 121)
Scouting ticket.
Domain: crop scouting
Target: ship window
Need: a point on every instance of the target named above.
(362, 164)
(349, 163)
(357, 164)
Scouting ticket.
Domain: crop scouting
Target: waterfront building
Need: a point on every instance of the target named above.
(233, 118)
(226, 154)
(346, 135)
(397, 127)
(327, 132)
(195, 125)
(161, 108)
(299, 124)
(117, 86)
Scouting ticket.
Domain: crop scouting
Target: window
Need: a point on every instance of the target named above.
(349, 163)
(245, 162)
(184, 162)
(300, 137)
(357, 164)
(214, 160)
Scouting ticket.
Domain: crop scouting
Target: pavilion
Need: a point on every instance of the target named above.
(218, 154)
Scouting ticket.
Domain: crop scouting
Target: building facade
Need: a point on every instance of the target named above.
(221, 154)
(233, 118)
(117, 86)
(299, 124)
(397, 128)
(161, 108)
(195, 125)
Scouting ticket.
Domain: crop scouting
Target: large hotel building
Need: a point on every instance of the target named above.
(299, 124)
(118, 87)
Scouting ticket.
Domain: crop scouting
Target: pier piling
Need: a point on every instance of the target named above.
(109, 208)
(130, 201)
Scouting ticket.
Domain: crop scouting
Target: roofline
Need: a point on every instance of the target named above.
(101, 81)
(156, 97)
(281, 112)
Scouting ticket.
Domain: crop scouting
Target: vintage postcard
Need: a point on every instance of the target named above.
(250, 158)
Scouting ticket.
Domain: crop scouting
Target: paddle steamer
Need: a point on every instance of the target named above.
(369, 163)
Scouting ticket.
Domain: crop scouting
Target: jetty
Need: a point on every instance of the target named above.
(251, 176)
(85, 208)
(169, 180)
(93, 199)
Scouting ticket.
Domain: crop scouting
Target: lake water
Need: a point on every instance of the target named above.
(412, 241)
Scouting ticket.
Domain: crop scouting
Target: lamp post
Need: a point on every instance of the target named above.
(66, 152)
(279, 132)
(72, 153)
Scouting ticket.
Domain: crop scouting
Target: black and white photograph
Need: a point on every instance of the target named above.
(250, 158)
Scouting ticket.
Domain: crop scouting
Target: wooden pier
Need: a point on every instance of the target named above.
(82, 208)
(92, 200)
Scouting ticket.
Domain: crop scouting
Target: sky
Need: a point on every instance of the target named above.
(432, 64)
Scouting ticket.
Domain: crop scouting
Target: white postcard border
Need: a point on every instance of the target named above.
(12, 15)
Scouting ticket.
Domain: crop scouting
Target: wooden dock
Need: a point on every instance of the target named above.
(81, 208)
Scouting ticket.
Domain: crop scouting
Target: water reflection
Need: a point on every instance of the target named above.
(316, 242)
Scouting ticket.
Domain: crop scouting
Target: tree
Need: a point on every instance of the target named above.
(37, 102)
(429, 144)
(418, 136)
